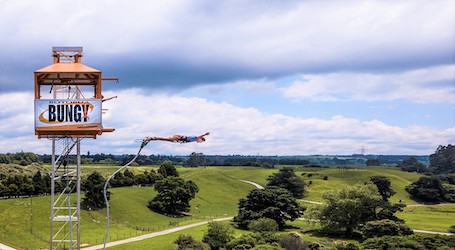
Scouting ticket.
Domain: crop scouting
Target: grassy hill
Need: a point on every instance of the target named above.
(24, 223)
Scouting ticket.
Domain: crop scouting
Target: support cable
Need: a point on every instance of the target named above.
(144, 143)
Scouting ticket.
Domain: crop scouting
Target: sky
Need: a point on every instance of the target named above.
(264, 77)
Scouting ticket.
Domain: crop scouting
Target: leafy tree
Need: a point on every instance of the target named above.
(411, 164)
(263, 225)
(174, 195)
(218, 235)
(128, 178)
(272, 202)
(195, 160)
(167, 169)
(94, 187)
(383, 185)
(293, 241)
(443, 160)
(287, 179)
(4, 158)
(39, 183)
(4, 190)
(27, 188)
(348, 208)
(244, 241)
(416, 242)
(187, 242)
(13, 190)
(118, 180)
(381, 228)
(427, 189)
(25, 158)
(373, 162)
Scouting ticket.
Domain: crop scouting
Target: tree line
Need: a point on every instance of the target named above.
(438, 183)
(199, 159)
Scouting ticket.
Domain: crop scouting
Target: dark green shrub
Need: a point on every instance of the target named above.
(263, 225)
(187, 242)
(381, 228)
(392, 242)
(293, 241)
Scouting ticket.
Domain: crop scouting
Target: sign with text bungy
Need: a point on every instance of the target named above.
(74, 114)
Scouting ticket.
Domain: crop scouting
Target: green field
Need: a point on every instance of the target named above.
(24, 223)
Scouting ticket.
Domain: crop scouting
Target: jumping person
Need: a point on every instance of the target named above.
(179, 138)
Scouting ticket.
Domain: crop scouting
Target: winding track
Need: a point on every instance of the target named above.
(176, 229)
(151, 235)
(172, 230)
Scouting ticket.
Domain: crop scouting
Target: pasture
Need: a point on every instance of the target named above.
(24, 223)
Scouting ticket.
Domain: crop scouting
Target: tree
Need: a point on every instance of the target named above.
(293, 241)
(94, 187)
(195, 160)
(272, 202)
(287, 179)
(381, 228)
(4, 190)
(167, 169)
(174, 195)
(4, 158)
(263, 225)
(128, 178)
(187, 242)
(443, 160)
(218, 235)
(383, 185)
(412, 165)
(373, 162)
(348, 208)
(427, 189)
(39, 183)
(242, 242)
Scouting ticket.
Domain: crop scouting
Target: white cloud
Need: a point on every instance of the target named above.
(427, 85)
(136, 114)
(271, 36)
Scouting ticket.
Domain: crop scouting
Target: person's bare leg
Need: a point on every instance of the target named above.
(171, 138)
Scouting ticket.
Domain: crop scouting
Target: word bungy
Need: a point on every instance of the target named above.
(68, 112)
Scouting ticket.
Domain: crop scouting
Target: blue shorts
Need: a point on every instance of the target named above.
(191, 139)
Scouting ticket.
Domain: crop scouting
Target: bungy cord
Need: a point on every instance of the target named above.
(144, 143)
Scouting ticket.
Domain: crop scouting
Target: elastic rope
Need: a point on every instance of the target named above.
(144, 143)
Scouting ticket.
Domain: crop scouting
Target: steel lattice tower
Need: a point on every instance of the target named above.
(68, 108)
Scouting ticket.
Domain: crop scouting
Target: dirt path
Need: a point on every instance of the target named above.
(312, 202)
(5, 247)
(430, 205)
(151, 235)
(254, 184)
(173, 230)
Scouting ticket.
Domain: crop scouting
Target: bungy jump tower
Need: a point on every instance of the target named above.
(68, 108)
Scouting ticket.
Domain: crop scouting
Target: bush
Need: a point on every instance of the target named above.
(267, 247)
(417, 242)
(244, 241)
(381, 228)
(263, 225)
(293, 241)
(186, 242)
(392, 242)
(346, 246)
(427, 189)
(218, 235)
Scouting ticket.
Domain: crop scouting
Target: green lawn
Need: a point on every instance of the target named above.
(437, 218)
(337, 178)
(24, 223)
